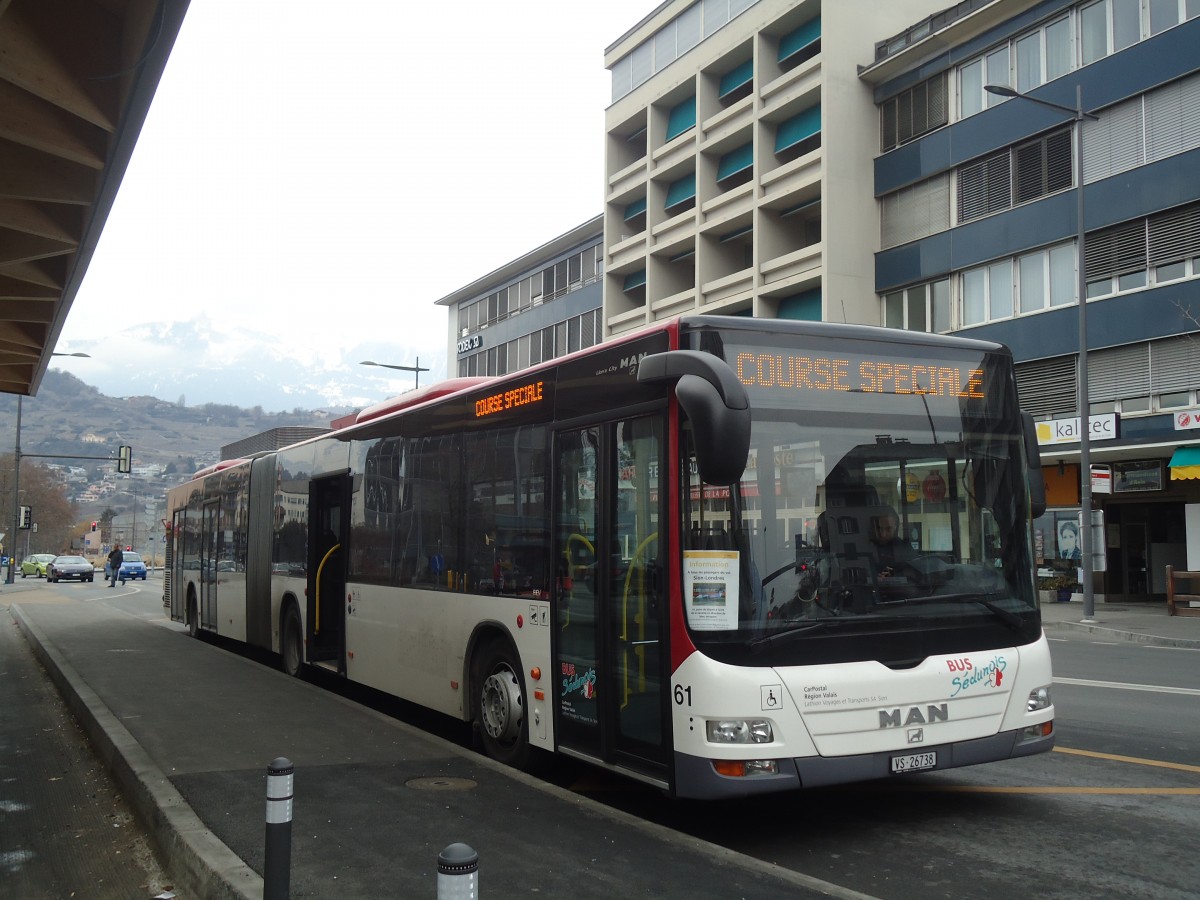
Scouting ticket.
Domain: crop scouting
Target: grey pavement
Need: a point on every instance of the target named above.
(187, 729)
(1140, 621)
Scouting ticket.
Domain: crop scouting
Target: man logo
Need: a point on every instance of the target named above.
(895, 719)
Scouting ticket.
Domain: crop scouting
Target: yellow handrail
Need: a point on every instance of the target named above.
(639, 617)
(317, 601)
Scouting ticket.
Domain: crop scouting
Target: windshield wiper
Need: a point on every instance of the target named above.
(1007, 616)
(787, 633)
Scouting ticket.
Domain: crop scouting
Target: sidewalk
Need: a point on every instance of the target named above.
(1143, 622)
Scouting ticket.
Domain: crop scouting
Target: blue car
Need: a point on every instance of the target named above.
(132, 567)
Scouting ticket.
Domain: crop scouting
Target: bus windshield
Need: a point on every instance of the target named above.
(883, 512)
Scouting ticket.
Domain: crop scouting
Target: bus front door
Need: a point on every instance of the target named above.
(610, 648)
(328, 524)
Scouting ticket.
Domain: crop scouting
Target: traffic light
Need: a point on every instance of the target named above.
(26, 516)
(125, 459)
(95, 525)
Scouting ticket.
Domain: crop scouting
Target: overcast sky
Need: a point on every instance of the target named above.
(323, 172)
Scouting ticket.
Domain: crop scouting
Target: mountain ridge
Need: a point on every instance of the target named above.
(74, 419)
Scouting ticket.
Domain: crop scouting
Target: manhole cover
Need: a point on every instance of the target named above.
(440, 783)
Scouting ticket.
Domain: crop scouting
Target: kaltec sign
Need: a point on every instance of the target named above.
(1066, 431)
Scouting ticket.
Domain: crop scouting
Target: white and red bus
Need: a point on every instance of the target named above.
(660, 555)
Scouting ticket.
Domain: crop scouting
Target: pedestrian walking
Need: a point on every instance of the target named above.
(114, 565)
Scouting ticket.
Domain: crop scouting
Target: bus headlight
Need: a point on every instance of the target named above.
(739, 731)
(1039, 698)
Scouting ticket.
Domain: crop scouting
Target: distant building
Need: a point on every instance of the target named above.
(540, 306)
(270, 440)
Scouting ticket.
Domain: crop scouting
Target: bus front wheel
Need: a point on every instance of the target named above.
(193, 616)
(500, 706)
(292, 643)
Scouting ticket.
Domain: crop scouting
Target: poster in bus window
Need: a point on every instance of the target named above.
(710, 589)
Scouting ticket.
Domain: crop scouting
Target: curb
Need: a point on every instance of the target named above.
(195, 857)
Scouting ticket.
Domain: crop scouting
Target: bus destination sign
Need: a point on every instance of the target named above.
(863, 374)
(512, 398)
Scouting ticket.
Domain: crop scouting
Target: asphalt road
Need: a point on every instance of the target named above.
(1111, 812)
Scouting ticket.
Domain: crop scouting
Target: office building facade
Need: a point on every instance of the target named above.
(977, 202)
(540, 306)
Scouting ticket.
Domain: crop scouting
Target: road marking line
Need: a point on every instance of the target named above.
(1122, 686)
(1131, 791)
(1138, 761)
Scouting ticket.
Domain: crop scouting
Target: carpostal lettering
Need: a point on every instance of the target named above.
(528, 393)
(820, 373)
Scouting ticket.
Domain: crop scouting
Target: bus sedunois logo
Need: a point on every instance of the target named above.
(898, 718)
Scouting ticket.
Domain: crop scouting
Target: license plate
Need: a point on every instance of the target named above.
(914, 763)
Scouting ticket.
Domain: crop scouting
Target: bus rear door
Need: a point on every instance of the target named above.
(328, 522)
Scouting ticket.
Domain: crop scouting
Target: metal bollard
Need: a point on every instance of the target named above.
(458, 873)
(277, 869)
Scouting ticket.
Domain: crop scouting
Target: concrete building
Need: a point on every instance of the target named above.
(977, 209)
(540, 306)
(737, 146)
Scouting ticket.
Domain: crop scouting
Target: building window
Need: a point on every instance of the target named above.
(736, 84)
(984, 186)
(1025, 284)
(736, 167)
(925, 307)
(915, 212)
(1011, 177)
(914, 112)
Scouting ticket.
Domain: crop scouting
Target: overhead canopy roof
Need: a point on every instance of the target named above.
(76, 80)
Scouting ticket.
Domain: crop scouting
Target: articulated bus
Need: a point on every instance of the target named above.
(659, 555)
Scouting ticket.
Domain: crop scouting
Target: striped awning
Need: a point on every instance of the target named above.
(1185, 464)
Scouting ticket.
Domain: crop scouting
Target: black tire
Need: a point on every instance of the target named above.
(291, 643)
(22, 573)
(49, 580)
(500, 706)
(193, 616)
(90, 580)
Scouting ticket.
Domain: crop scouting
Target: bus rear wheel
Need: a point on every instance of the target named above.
(291, 643)
(500, 706)
(193, 616)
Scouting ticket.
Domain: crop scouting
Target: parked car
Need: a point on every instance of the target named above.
(65, 568)
(36, 564)
(132, 567)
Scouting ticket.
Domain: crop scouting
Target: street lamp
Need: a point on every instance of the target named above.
(16, 508)
(1085, 425)
(415, 369)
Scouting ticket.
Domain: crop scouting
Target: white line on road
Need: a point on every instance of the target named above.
(1121, 686)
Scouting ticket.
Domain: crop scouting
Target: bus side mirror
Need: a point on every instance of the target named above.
(1033, 456)
(715, 402)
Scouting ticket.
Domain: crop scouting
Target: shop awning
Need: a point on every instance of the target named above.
(1185, 464)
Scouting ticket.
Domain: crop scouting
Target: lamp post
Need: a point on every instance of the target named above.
(16, 505)
(415, 369)
(1085, 426)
